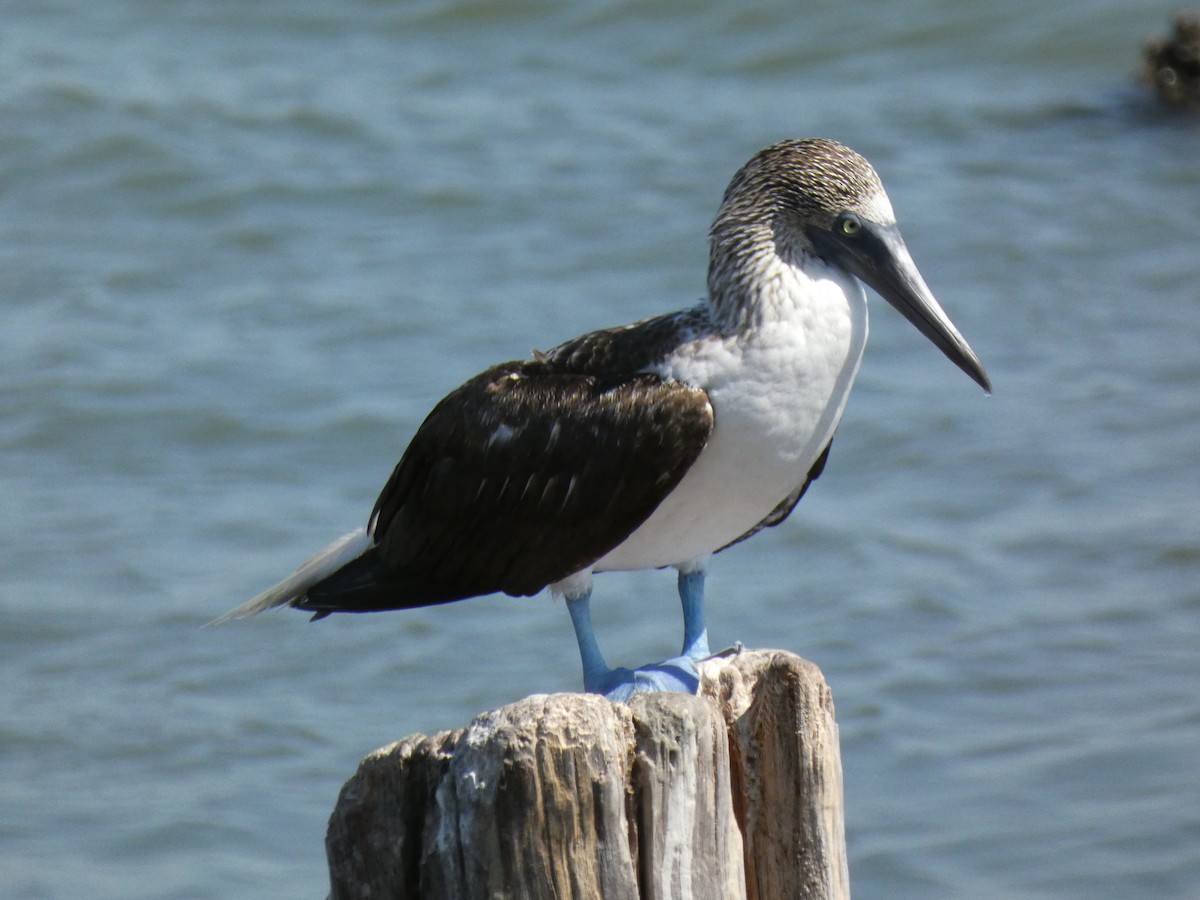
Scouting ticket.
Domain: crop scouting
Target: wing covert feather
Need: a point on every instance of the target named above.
(527, 474)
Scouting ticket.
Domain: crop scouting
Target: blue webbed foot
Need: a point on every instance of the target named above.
(677, 674)
(619, 685)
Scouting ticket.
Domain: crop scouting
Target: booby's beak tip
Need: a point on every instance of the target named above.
(974, 368)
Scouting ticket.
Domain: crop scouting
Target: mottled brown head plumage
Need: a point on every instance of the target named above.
(816, 179)
(772, 199)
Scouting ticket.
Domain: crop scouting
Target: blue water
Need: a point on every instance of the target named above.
(244, 247)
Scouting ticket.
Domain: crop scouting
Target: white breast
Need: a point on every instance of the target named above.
(778, 390)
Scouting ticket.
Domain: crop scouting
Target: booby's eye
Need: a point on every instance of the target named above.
(849, 225)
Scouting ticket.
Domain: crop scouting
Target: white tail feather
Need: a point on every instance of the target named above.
(317, 568)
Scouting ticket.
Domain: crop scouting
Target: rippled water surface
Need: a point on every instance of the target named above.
(246, 246)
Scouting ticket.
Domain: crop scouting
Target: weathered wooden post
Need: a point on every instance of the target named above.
(735, 793)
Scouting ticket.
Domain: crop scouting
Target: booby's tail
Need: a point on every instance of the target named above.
(316, 569)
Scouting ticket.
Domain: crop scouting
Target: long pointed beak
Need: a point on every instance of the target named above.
(878, 257)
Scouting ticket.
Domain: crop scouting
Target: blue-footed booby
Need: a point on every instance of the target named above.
(651, 445)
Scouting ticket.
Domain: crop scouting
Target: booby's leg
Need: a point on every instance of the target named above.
(620, 684)
(695, 632)
(595, 669)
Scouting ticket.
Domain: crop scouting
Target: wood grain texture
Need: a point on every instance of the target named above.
(735, 793)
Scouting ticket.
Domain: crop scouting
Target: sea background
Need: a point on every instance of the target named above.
(246, 246)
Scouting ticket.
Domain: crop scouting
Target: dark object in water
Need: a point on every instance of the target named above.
(1172, 65)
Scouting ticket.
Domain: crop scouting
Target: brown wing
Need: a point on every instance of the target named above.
(631, 348)
(524, 475)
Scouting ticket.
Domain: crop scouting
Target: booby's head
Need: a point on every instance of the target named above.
(800, 200)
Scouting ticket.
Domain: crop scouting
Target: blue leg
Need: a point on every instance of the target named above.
(677, 674)
(695, 632)
(595, 669)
